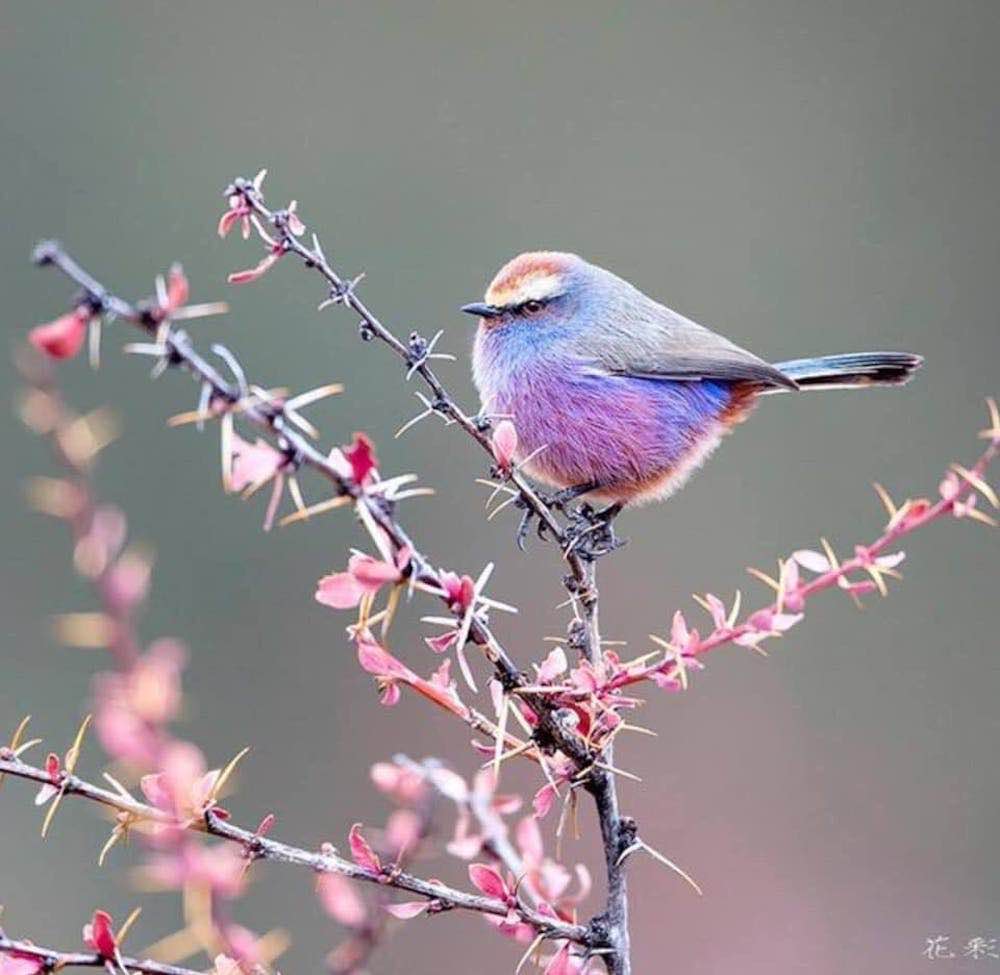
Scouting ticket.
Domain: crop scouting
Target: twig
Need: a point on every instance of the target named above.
(52, 960)
(263, 848)
(270, 415)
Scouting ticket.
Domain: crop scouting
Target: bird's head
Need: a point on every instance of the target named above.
(540, 288)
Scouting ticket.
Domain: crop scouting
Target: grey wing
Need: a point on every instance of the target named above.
(647, 340)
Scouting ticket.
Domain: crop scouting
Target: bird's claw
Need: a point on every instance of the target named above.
(591, 532)
(560, 500)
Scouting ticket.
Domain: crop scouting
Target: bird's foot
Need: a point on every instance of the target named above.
(557, 501)
(560, 500)
(591, 532)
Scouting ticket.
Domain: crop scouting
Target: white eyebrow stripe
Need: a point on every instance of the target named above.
(537, 287)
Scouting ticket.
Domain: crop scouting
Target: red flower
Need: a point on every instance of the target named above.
(63, 338)
(99, 935)
(361, 457)
(53, 768)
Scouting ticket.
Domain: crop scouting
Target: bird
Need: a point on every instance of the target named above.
(615, 397)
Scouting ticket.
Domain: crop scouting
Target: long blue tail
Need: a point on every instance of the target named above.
(852, 369)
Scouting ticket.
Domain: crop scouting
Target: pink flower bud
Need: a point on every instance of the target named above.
(62, 338)
(488, 881)
(99, 935)
(407, 909)
(361, 851)
(340, 900)
(504, 444)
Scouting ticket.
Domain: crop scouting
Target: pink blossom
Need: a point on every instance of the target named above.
(255, 273)
(220, 869)
(126, 583)
(182, 787)
(246, 947)
(443, 641)
(764, 623)
(529, 842)
(131, 706)
(63, 338)
(504, 444)
(53, 768)
(153, 684)
(224, 965)
(252, 464)
(364, 577)
(239, 212)
(553, 666)
(460, 591)
(791, 593)
(99, 936)
(403, 831)
(467, 842)
(718, 611)
(390, 673)
(340, 900)
(488, 881)
(12, 963)
(543, 800)
(361, 851)
(562, 963)
(177, 293)
(407, 909)
(813, 561)
(293, 220)
(404, 785)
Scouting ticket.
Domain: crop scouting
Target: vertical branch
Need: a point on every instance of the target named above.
(617, 832)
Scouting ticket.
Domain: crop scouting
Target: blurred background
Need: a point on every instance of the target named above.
(806, 177)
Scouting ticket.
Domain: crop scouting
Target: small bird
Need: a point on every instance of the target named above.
(615, 397)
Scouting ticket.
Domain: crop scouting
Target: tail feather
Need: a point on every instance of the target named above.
(852, 369)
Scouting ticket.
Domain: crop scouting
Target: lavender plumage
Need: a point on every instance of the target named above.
(612, 392)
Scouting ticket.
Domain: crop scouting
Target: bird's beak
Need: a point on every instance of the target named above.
(481, 309)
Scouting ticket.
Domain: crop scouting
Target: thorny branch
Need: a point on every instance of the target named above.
(175, 348)
(556, 707)
(415, 354)
(256, 847)
(581, 583)
(52, 960)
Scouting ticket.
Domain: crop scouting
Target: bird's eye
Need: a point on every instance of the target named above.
(533, 307)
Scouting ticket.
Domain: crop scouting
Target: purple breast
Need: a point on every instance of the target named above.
(618, 431)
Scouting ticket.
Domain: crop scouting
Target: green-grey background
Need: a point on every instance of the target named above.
(805, 176)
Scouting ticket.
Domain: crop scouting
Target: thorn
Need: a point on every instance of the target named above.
(656, 855)
(978, 483)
